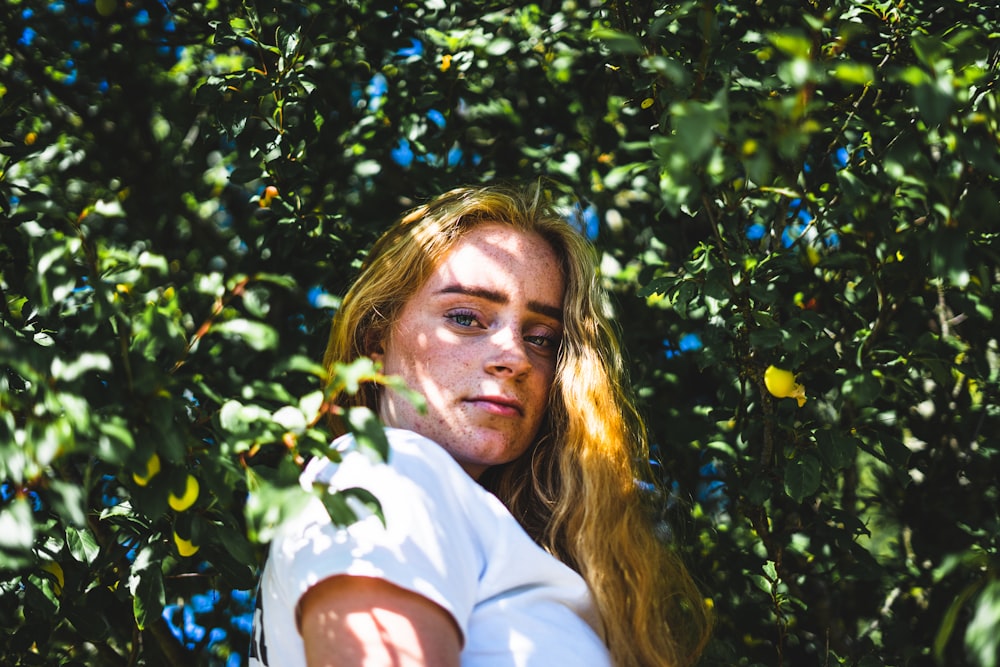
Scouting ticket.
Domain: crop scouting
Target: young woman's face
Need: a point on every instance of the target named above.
(479, 340)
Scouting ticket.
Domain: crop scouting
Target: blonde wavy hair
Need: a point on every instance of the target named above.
(575, 491)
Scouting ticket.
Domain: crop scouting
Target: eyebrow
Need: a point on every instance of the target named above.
(499, 297)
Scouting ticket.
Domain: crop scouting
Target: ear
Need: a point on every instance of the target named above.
(374, 345)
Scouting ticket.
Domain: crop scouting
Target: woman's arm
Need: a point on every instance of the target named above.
(349, 621)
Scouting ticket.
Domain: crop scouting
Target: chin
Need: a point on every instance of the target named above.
(490, 448)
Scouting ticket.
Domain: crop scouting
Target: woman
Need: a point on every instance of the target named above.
(486, 303)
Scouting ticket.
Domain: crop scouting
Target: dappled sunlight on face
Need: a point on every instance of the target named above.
(479, 340)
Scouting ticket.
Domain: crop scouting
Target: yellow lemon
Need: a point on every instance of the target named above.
(181, 503)
(152, 467)
(185, 548)
(56, 570)
(782, 384)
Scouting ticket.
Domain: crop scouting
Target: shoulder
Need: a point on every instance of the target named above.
(432, 538)
(428, 505)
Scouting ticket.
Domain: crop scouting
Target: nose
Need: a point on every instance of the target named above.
(508, 355)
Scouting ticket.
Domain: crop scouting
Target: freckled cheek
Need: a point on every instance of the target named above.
(446, 360)
(438, 372)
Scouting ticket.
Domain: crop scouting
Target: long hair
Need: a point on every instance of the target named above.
(575, 490)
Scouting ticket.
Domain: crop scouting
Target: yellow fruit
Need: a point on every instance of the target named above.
(106, 7)
(812, 255)
(57, 571)
(185, 548)
(270, 192)
(181, 503)
(152, 467)
(778, 381)
(782, 384)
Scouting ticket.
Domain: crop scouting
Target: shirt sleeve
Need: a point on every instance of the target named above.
(426, 545)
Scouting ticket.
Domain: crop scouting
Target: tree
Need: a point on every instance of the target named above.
(187, 188)
(832, 176)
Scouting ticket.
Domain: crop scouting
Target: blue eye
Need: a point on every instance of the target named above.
(463, 319)
(545, 342)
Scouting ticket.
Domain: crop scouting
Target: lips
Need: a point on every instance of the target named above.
(499, 405)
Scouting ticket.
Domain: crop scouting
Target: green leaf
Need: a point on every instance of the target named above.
(794, 44)
(145, 583)
(271, 502)
(257, 335)
(246, 173)
(618, 42)
(981, 637)
(257, 301)
(68, 500)
(17, 526)
(896, 452)
(368, 431)
(499, 46)
(761, 582)
(351, 375)
(340, 511)
(86, 362)
(766, 338)
(934, 101)
(671, 68)
(861, 389)
(367, 499)
(301, 364)
(698, 126)
(115, 442)
(290, 418)
(929, 49)
(40, 596)
(838, 449)
(240, 25)
(233, 556)
(279, 279)
(858, 74)
(82, 544)
(802, 476)
(758, 490)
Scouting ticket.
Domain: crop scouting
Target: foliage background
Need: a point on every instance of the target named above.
(810, 185)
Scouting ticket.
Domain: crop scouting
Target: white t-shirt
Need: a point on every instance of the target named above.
(445, 538)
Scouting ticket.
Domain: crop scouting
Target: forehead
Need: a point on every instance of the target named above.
(499, 256)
